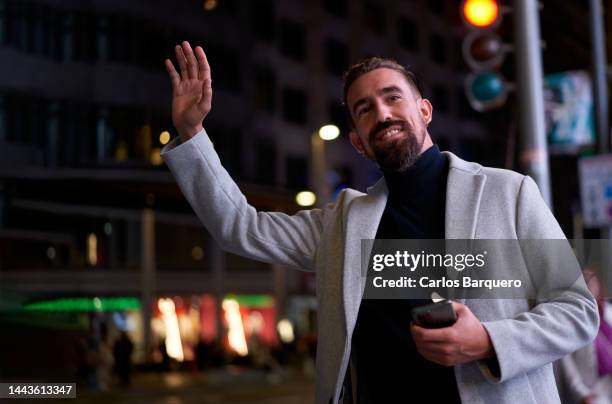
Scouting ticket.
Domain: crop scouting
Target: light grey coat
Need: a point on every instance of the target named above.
(481, 202)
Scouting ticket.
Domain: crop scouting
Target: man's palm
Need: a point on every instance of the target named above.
(191, 91)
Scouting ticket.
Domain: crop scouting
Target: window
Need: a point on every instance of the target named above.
(228, 144)
(292, 41)
(336, 57)
(335, 7)
(2, 23)
(407, 34)
(294, 105)
(266, 161)
(84, 44)
(436, 6)
(374, 15)
(225, 66)
(264, 97)
(296, 168)
(263, 19)
(338, 116)
(464, 109)
(437, 48)
(440, 98)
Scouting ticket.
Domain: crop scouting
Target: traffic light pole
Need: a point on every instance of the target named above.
(530, 85)
(600, 83)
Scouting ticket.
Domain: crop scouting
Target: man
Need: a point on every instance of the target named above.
(496, 350)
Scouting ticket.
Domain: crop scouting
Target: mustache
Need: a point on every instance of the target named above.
(386, 124)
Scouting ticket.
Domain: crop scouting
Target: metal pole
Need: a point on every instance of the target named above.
(147, 276)
(318, 163)
(600, 96)
(217, 263)
(530, 85)
(600, 85)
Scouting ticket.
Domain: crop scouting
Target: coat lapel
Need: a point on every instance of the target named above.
(463, 194)
(362, 223)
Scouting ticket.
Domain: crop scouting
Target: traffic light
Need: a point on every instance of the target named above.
(480, 13)
(484, 52)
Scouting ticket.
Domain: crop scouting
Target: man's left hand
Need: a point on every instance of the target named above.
(466, 341)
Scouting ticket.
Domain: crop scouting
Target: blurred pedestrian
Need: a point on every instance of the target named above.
(123, 358)
(104, 365)
(587, 373)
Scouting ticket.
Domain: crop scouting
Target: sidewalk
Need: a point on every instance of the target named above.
(231, 385)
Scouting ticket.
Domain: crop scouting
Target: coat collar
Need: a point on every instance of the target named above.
(463, 194)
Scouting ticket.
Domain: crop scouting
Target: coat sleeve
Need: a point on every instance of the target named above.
(238, 227)
(553, 328)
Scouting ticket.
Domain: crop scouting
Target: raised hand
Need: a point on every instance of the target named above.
(191, 90)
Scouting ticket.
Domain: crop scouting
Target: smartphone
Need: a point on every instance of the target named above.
(435, 315)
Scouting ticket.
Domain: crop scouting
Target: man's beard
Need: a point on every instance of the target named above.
(400, 154)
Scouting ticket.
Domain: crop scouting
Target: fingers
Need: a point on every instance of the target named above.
(429, 335)
(192, 69)
(203, 67)
(205, 102)
(180, 58)
(174, 76)
(459, 308)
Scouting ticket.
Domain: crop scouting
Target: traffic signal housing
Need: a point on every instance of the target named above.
(484, 52)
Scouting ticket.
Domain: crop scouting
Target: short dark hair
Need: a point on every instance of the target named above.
(372, 63)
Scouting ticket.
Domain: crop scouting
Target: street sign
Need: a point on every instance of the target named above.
(595, 175)
(568, 104)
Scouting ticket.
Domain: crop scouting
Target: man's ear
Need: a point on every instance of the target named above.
(426, 110)
(356, 142)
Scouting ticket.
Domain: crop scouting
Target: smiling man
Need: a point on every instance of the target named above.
(367, 350)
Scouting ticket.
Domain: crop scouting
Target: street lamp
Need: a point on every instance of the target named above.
(329, 132)
(318, 180)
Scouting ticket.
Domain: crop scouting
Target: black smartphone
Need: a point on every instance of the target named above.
(435, 315)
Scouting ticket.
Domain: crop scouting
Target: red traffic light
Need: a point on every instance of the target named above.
(480, 13)
(483, 50)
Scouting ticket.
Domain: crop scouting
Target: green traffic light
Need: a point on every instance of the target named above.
(487, 87)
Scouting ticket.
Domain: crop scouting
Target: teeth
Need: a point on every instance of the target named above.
(391, 132)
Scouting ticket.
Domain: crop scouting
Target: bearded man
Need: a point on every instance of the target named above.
(368, 351)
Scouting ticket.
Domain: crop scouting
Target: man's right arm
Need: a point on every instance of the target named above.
(236, 225)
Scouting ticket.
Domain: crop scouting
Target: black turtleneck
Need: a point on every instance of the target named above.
(388, 367)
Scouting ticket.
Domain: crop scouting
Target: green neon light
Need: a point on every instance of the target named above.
(86, 304)
(253, 300)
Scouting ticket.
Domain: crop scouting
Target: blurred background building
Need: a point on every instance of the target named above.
(95, 236)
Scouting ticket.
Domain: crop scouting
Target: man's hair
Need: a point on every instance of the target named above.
(372, 63)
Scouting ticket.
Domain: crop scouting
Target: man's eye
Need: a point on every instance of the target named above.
(394, 97)
(362, 111)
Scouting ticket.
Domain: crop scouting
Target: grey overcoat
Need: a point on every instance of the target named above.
(481, 202)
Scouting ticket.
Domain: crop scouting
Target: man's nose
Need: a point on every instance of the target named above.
(383, 113)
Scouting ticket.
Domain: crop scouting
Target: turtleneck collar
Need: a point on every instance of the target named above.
(424, 179)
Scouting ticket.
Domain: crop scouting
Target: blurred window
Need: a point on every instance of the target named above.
(338, 116)
(292, 41)
(266, 161)
(296, 168)
(374, 15)
(441, 98)
(264, 89)
(437, 6)
(336, 57)
(335, 7)
(407, 33)
(294, 105)
(263, 19)
(437, 48)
